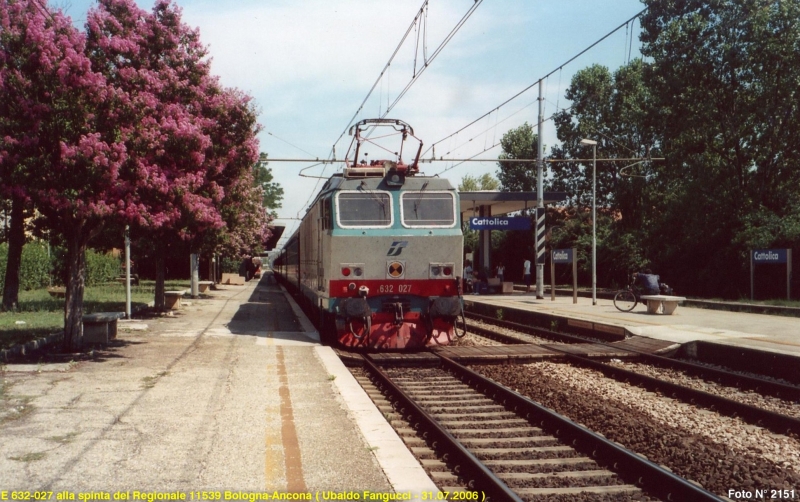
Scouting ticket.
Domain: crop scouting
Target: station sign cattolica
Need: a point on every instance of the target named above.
(499, 223)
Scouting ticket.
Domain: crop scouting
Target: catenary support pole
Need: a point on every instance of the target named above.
(540, 188)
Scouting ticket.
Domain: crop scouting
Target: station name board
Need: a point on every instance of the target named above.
(562, 256)
(769, 255)
(499, 223)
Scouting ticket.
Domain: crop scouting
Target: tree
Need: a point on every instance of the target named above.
(724, 82)
(50, 153)
(262, 177)
(612, 110)
(485, 182)
(519, 143)
(188, 139)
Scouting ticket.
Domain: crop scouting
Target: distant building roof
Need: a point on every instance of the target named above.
(505, 202)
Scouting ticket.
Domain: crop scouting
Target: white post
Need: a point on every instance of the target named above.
(127, 272)
(195, 270)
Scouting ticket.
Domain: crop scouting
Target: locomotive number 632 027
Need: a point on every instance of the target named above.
(394, 288)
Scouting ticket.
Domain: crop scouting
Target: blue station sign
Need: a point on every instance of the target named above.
(769, 255)
(499, 223)
(562, 256)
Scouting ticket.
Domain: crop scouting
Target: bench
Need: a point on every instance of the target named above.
(134, 279)
(57, 292)
(667, 304)
(100, 327)
(234, 279)
(496, 286)
(202, 286)
(172, 299)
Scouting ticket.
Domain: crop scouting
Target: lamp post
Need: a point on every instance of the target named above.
(594, 217)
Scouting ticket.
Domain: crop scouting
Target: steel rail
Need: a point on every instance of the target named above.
(777, 389)
(653, 478)
(467, 465)
(775, 422)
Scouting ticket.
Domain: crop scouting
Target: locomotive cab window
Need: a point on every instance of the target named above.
(428, 209)
(367, 209)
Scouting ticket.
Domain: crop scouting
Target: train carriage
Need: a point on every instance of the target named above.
(377, 258)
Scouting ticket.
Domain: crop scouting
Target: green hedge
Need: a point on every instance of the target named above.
(34, 270)
(101, 267)
(37, 266)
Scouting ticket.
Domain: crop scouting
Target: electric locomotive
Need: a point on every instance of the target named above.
(377, 257)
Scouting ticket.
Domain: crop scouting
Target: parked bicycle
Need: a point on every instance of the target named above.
(626, 299)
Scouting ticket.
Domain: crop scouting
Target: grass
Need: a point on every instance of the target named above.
(30, 457)
(39, 314)
(150, 381)
(67, 438)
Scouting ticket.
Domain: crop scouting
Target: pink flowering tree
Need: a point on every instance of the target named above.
(122, 125)
(187, 138)
(50, 153)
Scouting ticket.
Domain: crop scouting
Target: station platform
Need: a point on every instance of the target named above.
(771, 336)
(232, 393)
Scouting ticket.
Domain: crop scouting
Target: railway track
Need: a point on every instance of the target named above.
(490, 440)
(774, 421)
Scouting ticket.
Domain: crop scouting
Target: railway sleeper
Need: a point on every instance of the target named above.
(473, 416)
(527, 441)
(533, 451)
(497, 433)
(551, 476)
(509, 422)
(575, 490)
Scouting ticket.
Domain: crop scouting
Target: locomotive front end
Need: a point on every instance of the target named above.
(395, 261)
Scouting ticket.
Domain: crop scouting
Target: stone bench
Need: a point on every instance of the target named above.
(134, 279)
(202, 286)
(57, 292)
(172, 299)
(233, 279)
(100, 327)
(667, 304)
(496, 286)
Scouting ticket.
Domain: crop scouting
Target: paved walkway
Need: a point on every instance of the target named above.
(757, 331)
(232, 393)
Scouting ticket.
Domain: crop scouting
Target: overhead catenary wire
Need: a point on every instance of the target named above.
(526, 89)
(386, 67)
(433, 56)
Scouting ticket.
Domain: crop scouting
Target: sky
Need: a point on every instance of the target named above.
(309, 64)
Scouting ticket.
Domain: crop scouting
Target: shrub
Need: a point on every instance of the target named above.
(34, 268)
(37, 267)
(230, 265)
(101, 267)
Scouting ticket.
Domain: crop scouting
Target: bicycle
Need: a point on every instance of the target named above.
(626, 300)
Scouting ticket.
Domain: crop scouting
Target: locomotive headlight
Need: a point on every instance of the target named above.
(358, 272)
(436, 270)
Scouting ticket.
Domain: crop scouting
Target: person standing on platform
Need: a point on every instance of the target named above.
(527, 273)
(500, 272)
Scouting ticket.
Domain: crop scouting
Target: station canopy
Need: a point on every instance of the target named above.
(504, 202)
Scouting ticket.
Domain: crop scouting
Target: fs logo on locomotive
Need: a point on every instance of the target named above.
(396, 248)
